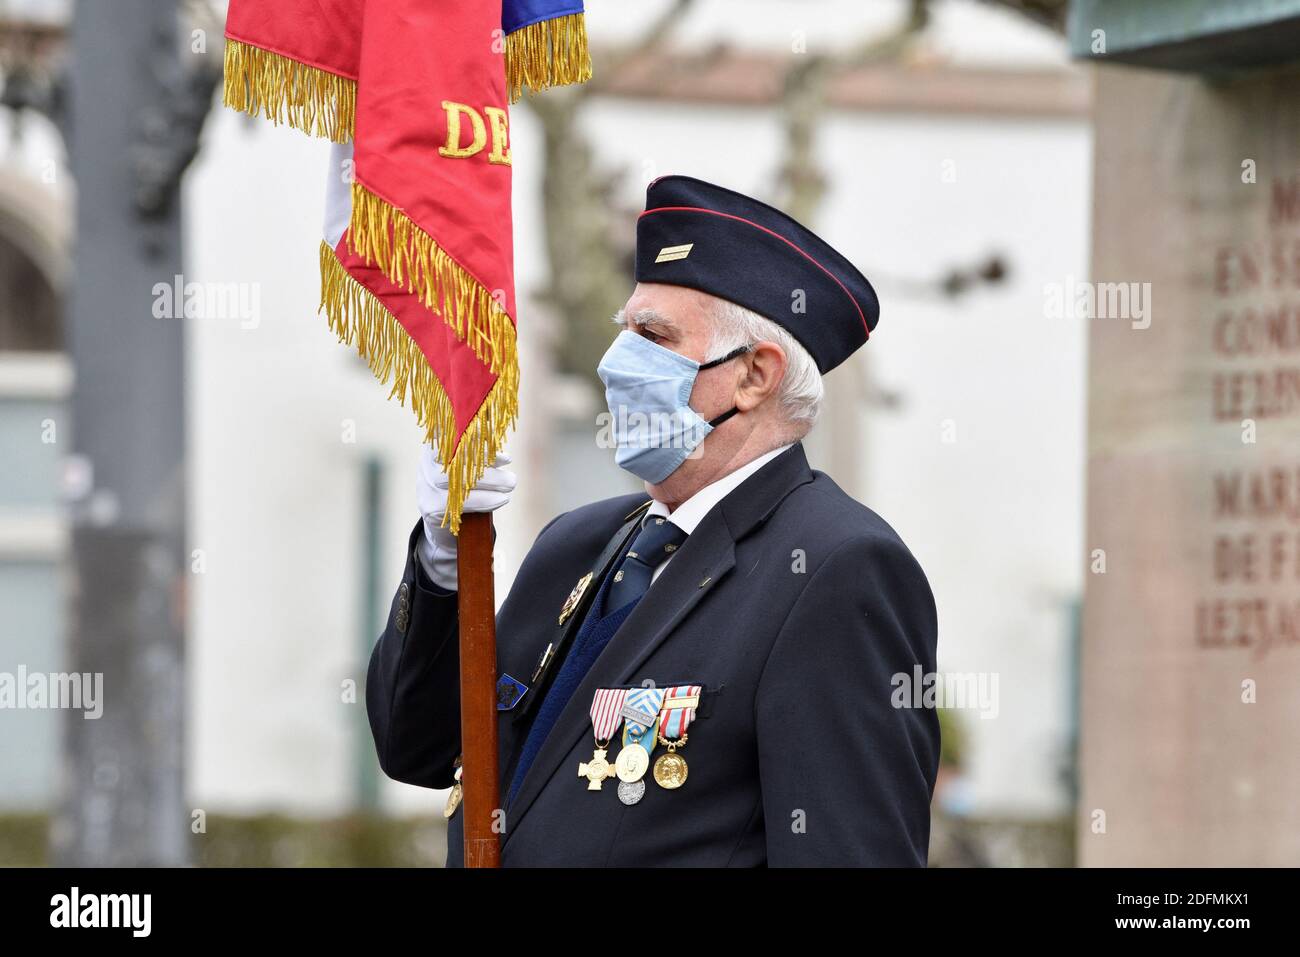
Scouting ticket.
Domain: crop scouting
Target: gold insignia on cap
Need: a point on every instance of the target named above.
(673, 253)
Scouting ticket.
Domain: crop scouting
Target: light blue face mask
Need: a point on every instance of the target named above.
(648, 389)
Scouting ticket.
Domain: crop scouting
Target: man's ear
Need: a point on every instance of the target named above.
(765, 368)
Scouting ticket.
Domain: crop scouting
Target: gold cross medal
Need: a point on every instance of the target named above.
(640, 717)
(606, 716)
(675, 717)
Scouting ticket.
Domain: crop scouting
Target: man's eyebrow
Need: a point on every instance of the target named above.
(643, 318)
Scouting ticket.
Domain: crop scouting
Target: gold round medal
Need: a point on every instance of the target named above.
(632, 763)
(670, 770)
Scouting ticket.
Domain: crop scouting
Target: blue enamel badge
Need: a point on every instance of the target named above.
(509, 692)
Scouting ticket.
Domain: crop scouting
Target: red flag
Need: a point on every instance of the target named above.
(296, 61)
(422, 279)
(431, 213)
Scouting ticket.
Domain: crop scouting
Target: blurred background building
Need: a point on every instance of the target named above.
(35, 378)
(943, 146)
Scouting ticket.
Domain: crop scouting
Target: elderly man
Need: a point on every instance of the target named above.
(724, 684)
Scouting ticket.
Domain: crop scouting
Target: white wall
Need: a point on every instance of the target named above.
(996, 516)
(275, 489)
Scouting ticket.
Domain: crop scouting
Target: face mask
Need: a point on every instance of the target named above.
(648, 389)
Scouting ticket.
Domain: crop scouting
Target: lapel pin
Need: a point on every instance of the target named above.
(509, 691)
(575, 596)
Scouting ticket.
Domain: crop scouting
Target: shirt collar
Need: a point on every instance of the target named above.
(692, 511)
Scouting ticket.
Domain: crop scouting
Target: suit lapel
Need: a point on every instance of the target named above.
(568, 631)
(704, 560)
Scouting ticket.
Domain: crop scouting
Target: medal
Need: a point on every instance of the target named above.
(595, 770)
(670, 769)
(453, 799)
(606, 716)
(632, 763)
(629, 792)
(640, 714)
(675, 717)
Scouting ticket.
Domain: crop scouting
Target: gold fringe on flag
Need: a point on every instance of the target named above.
(262, 83)
(547, 53)
(384, 235)
(358, 318)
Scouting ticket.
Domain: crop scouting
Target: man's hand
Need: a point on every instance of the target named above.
(438, 548)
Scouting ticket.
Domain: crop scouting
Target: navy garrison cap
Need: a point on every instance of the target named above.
(695, 234)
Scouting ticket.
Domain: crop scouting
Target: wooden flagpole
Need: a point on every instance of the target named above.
(478, 705)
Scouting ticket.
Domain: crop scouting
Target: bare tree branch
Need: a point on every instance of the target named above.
(651, 40)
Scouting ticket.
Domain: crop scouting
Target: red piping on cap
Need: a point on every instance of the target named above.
(741, 219)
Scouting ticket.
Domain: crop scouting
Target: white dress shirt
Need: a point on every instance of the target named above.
(689, 514)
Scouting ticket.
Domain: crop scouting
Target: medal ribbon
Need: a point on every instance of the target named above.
(640, 711)
(607, 711)
(678, 709)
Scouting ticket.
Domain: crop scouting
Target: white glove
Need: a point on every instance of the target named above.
(437, 549)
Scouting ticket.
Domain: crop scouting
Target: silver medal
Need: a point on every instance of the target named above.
(629, 792)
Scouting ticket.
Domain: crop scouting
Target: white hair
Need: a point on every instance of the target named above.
(801, 390)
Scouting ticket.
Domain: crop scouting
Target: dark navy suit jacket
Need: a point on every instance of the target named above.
(796, 607)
